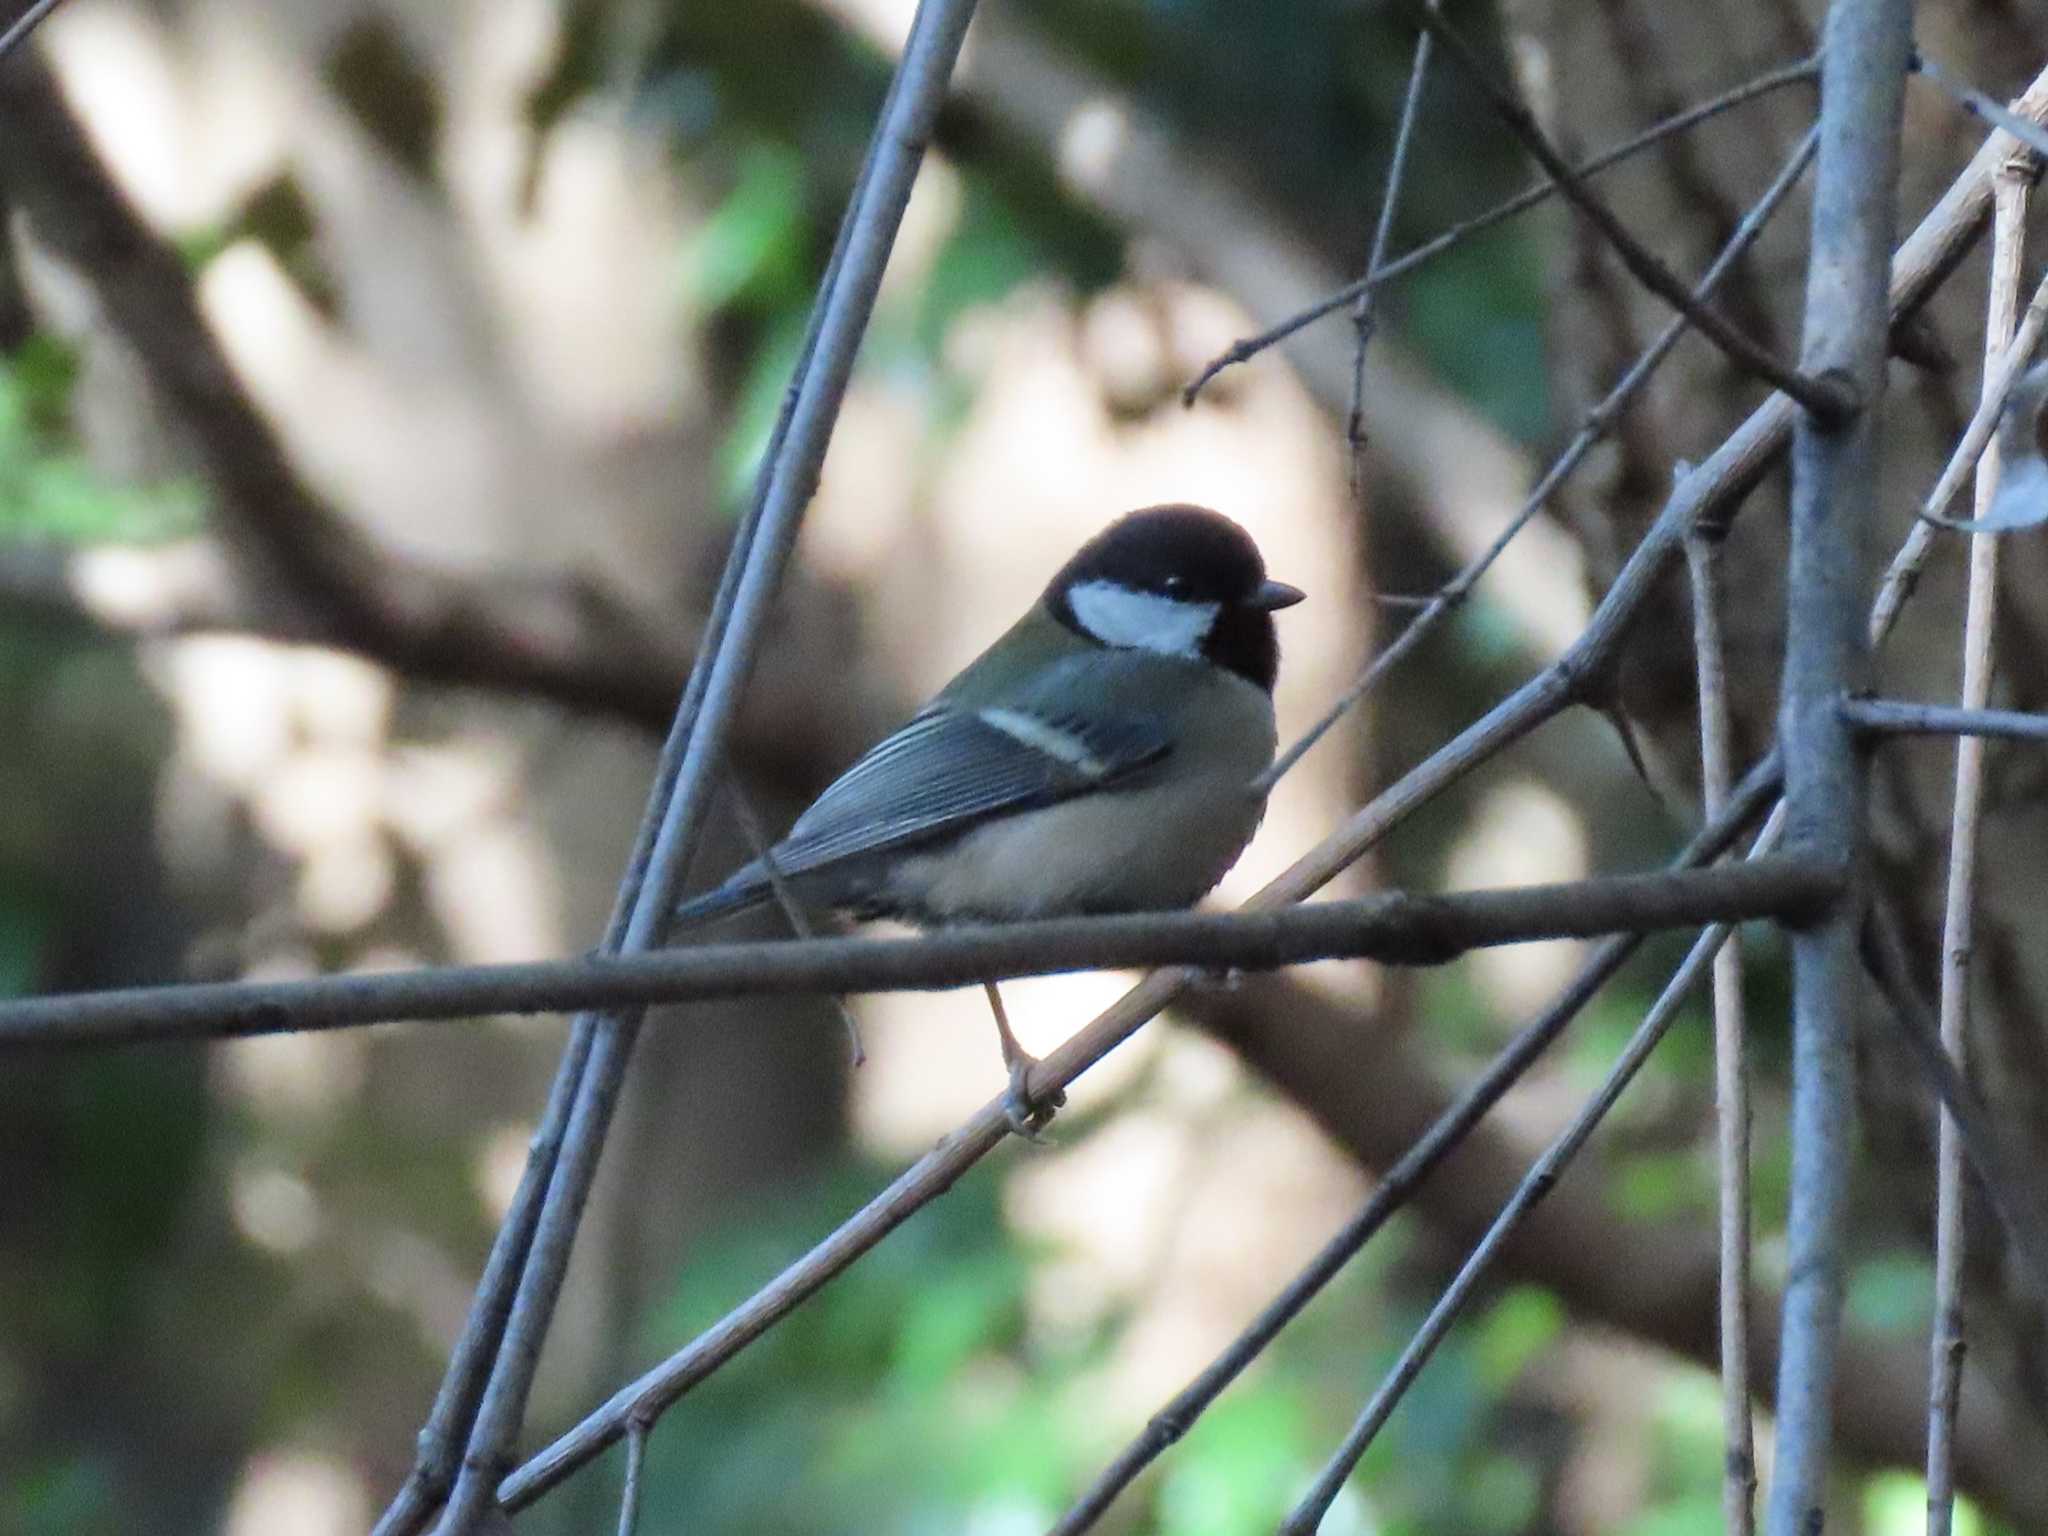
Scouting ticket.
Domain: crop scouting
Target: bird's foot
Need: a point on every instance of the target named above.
(1029, 1117)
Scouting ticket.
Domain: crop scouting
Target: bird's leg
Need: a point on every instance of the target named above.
(793, 909)
(1026, 1118)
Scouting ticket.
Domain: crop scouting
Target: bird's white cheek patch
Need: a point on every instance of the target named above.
(1122, 616)
(1041, 736)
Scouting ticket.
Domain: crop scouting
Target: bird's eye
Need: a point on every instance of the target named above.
(1176, 585)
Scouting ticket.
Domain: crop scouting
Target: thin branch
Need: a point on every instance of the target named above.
(1390, 927)
(1307, 1515)
(1834, 484)
(2008, 245)
(1980, 106)
(1251, 346)
(1823, 397)
(1894, 717)
(1364, 317)
(2013, 1195)
(900, 137)
(1395, 1187)
(26, 23)
(462, 1385)
(455, 1404)
(629, 1496)
(1598, 422)
(1731, 1064)
(1903, 574)
(2004, 375)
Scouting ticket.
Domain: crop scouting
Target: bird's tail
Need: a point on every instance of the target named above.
(743, 890)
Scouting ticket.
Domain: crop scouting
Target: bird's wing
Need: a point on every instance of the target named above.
(951, 767)
(959, 762)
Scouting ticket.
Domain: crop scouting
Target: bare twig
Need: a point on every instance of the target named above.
(1251, 346)
(24, 24)
(1893, 717)
(455, 1404)
(1307, 1515)
(1821, 396)
(2008, 244)
(1731, 1064)
(1399, 1182)
(629, 1495)
(1980, 106)
(1306, 1042)
(871, 223)
(1903, 573)
(2014, 1197)
(1834, 481)
(1391, 927)
(1364, 318)
(1599, 421)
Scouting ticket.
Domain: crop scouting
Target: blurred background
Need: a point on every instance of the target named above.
(516, 286)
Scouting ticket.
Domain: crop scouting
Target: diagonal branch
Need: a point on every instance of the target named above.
(870, 225)
(1249, 347)
(558, 639)
(456, 1404)
(25, 24)
(1820, 395)
(1400, 1182)
(1306, 1043)
(1598, 423)
(1307, 1515)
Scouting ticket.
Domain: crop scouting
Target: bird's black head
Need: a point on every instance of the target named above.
(1180, 580)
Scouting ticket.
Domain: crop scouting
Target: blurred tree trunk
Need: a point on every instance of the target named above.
(1595, 73)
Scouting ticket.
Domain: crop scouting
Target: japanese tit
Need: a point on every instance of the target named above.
(1101, 756)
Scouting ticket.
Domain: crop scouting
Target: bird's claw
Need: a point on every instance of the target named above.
(1028, 1117)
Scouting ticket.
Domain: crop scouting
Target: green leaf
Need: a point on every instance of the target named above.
(1652, 1186)
(1515, 1330)
(751, 251)
(50, 491)
(1891, 1294)
(1240, 1468)
(760, 401)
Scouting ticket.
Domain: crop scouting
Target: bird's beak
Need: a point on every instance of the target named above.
(1276, 594)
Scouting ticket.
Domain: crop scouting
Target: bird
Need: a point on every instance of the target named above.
(1103, 755)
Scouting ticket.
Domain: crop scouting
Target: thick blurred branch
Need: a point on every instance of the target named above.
(289, 564)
